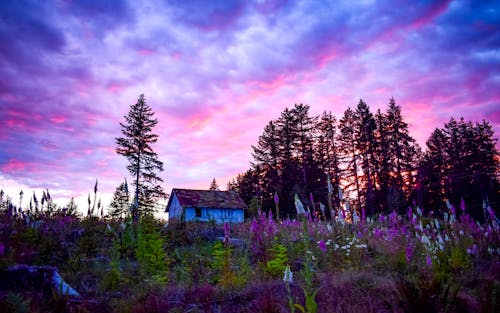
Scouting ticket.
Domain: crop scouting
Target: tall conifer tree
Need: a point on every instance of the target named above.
(144, 165)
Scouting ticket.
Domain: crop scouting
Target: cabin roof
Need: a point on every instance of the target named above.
(207, 198)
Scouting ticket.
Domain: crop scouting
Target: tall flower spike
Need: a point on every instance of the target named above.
(329, 184)
(299, 206)
(288, 275)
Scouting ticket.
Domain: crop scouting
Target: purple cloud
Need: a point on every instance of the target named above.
(216, 72)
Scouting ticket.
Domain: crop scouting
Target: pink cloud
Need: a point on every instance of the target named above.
(13, 165)
(58, 119)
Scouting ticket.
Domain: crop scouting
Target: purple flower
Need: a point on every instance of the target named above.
(428, 260)
(472, 250)
(2, 248)
(381, 218)
(410, 213)
(276, 198)
(322, 245)
(462, 205)
(409, 253)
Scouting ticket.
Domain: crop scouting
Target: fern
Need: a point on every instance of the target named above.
(18, 303)
(276, 266)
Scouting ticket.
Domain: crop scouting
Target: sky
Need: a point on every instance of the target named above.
(216, 72)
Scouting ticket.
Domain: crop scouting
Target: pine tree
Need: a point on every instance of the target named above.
(327, 152)
(120, 204)
(404, 155)
(144, 165)
(365, 146)
(350, 157)
(213, 185)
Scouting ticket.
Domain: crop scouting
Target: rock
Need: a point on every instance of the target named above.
(44, 279)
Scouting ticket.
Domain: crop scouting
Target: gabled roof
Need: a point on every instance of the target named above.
(207, 199)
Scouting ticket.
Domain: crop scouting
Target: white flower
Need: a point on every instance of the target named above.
(436, 223)
(288, 275)
(329, 228)
(299, 206)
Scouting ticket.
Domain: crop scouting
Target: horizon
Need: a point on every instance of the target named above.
(216, 73)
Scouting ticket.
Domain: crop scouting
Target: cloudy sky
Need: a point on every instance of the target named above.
(215, 72)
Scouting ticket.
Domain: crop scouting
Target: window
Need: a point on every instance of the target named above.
(198, 212)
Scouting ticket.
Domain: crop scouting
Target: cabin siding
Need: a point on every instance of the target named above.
(204, 205)
(220, 215)
(175, 208)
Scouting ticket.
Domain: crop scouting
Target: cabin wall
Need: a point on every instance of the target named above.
(217, 214)
(175, 210)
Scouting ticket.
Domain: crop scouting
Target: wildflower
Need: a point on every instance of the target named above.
(276, 198)
(428, 260)
(381, 218)
(329, 228)
(288, 275)
(436, 223)
(322, 245)
(419, 211)
(473, 250)
(462, 205)
(2, 248)
(329, 184)
(409, 253)
(450, 207)
(355, 217)
(299, 206)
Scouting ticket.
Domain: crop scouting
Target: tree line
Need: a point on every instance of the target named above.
(371, 160)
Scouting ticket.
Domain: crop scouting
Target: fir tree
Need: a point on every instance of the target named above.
(120, 204)
(213, 185)
(144, 165)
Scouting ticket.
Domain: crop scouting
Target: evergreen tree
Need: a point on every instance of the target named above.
(213, 185)
(71, 207)
(327, 152)
(350, 157)
(461, 162)
(404, 155)
(144, 165)
(365, 146)
(120, 204)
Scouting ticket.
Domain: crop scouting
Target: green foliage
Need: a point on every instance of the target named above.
(276, 266)
(222, 264)
(149, 252)
(17, 303)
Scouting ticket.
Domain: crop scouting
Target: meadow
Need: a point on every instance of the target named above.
(412, 262)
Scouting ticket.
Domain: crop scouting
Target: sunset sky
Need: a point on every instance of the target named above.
(215, 73)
